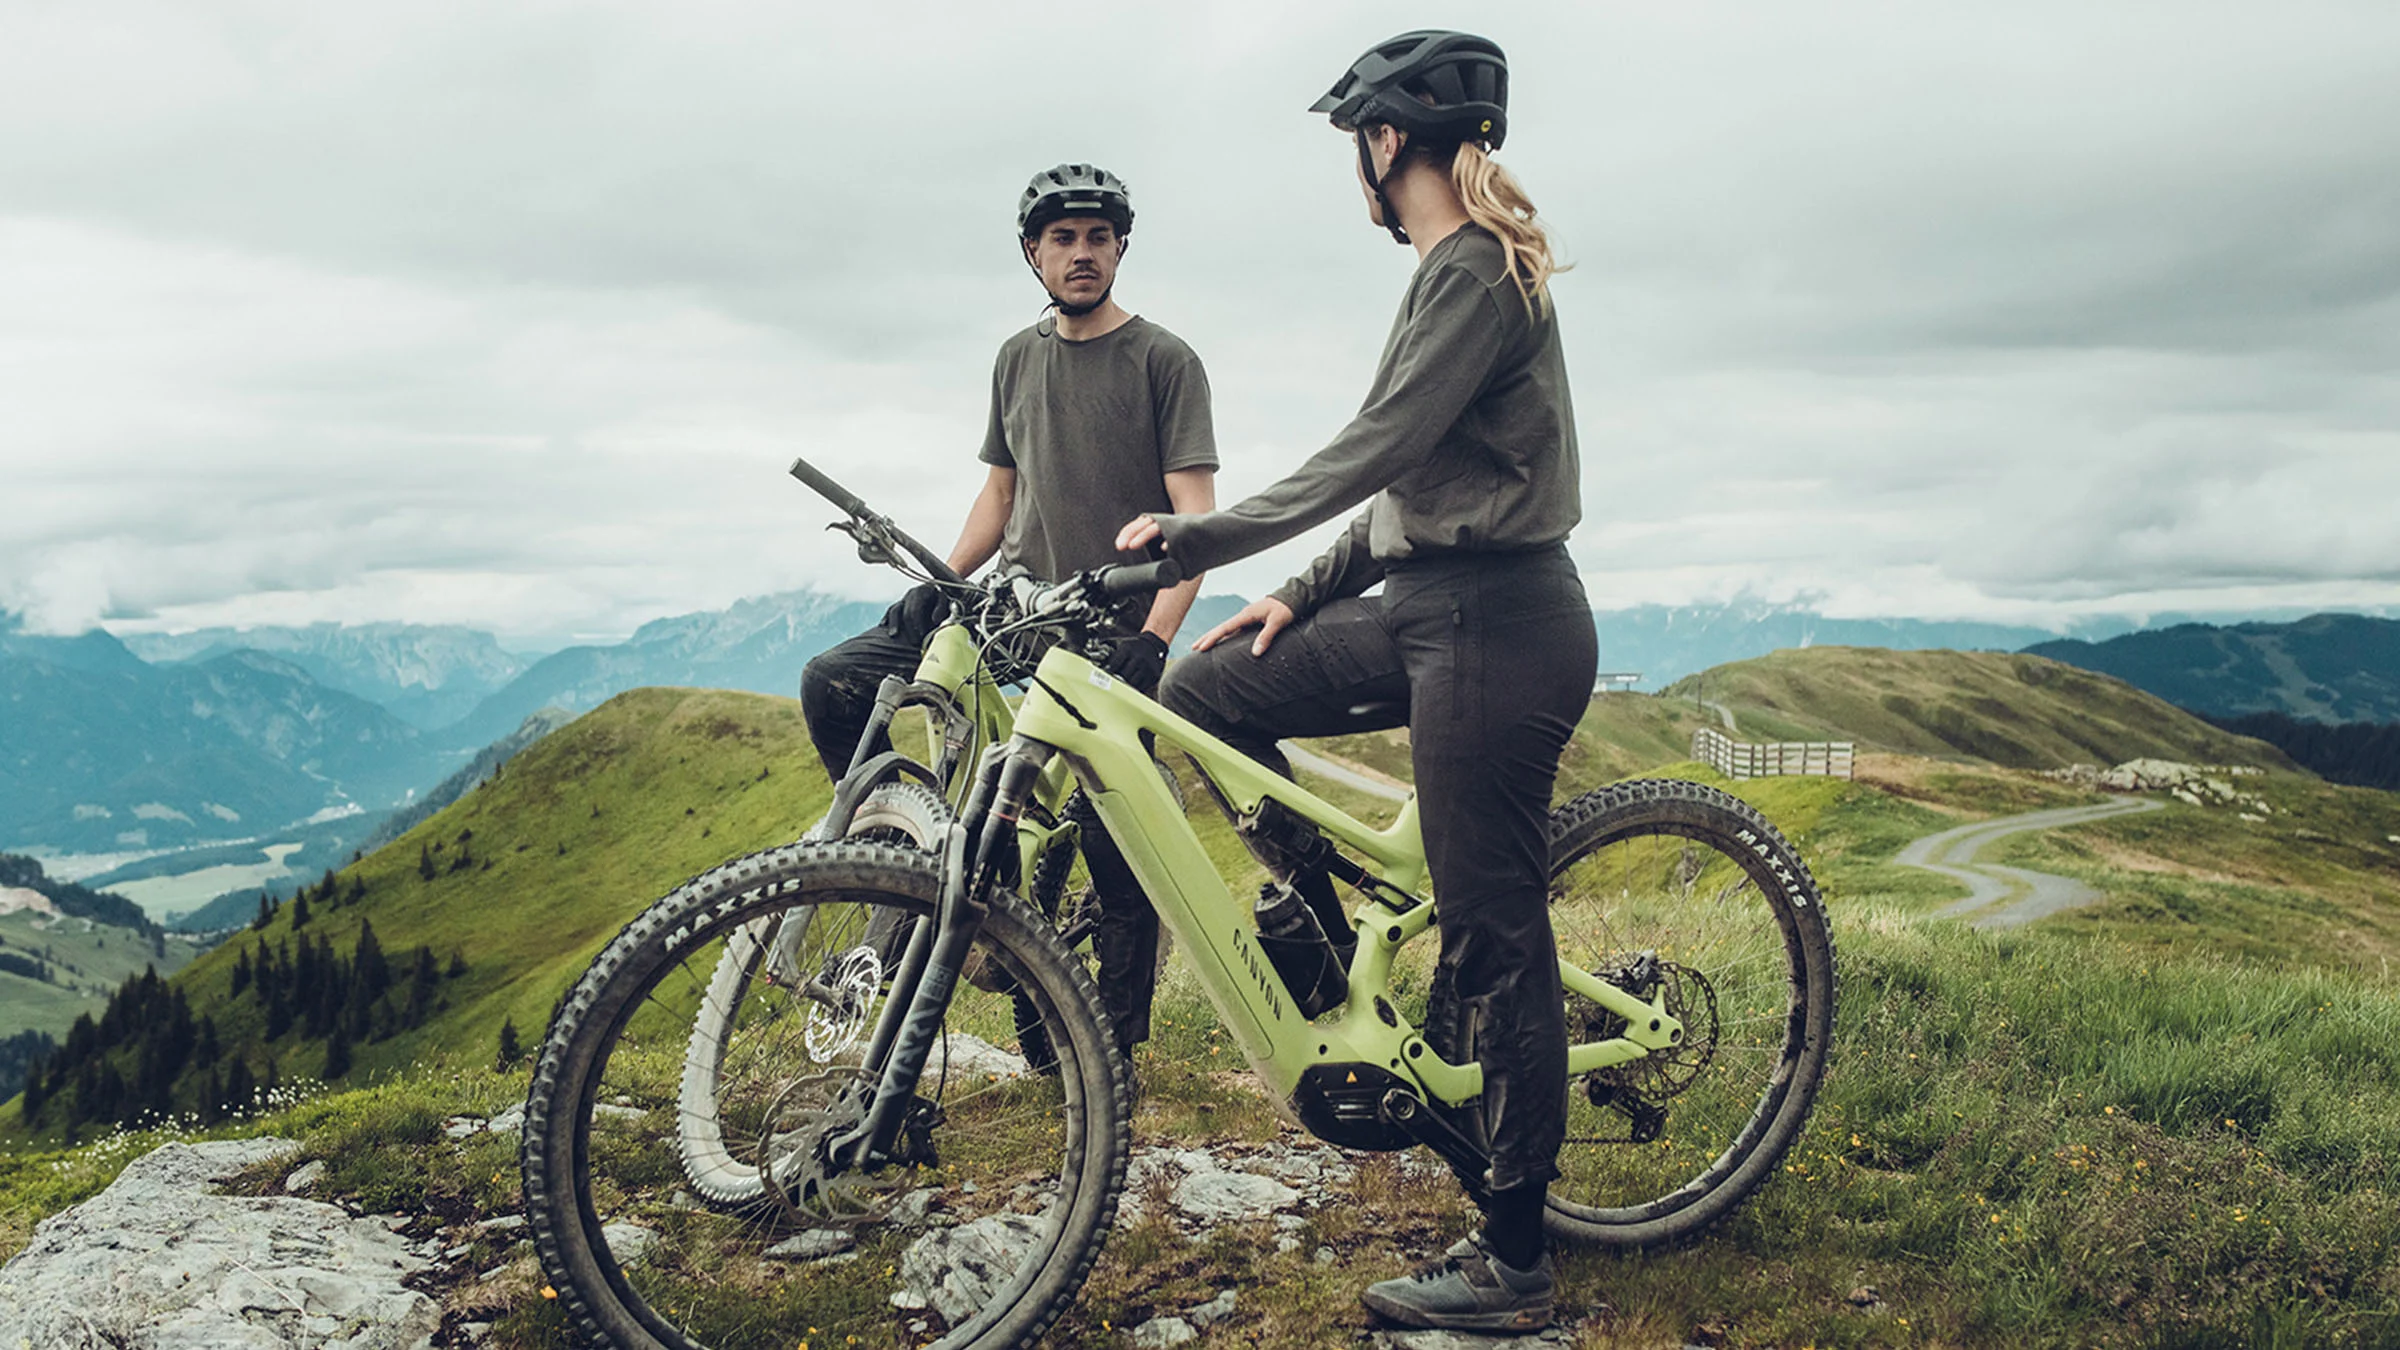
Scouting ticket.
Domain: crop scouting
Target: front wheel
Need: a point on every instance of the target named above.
(1675, 887)
(978, 1238)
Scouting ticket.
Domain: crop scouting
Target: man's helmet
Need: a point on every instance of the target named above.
(1074, 190)
(1442, 88)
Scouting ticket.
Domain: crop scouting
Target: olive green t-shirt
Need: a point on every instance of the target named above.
(1092, 429)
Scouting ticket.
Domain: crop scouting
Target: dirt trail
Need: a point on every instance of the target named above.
(2006, 897)
(1343, 771)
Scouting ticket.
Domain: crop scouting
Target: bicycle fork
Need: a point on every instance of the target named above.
(928, 972)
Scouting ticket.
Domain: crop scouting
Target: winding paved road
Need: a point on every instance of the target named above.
(2007, 897)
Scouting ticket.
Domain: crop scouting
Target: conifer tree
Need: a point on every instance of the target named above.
(299, 910)
(510, 1051)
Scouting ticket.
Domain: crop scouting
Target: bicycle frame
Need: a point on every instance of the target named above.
(952, 678)
(1354, 1078)
(1096, 721)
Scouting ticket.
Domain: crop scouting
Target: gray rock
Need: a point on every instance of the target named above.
(1216, 1310)
(307, 1176)
(505, 1223)
(959, 1269)
(1449, 1340)
(972, 1056)
(509, 1121)
(1163, 1331)
(158, 1261)
(814, 1245)
(462, 1127)
(1325, 1256)
(915, 1209)
(1212, 1198)
(628, 1242)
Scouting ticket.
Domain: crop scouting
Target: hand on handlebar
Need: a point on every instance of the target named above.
(1139, 534)
(1269, 616)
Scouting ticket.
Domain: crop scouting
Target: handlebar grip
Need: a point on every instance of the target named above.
(1140, 578)
(827, 488)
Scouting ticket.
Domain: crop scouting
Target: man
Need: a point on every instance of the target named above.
(1096, 415)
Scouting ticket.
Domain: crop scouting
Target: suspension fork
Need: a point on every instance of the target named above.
(937, 949)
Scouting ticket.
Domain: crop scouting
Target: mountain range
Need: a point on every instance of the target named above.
(160, 741)
(2324, 668)
(428, 676)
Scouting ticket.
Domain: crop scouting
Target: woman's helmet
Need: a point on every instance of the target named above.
(1074, 190)
(1442, 88)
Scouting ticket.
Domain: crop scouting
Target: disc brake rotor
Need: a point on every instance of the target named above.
(841, 1004)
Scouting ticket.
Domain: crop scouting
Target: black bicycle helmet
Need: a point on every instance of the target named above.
(1074, 190)
(1440, 87)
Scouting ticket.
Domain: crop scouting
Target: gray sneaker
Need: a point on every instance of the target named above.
(1469, 1288)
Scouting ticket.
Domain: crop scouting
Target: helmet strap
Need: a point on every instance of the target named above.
(1366, 169)
(1078, 311)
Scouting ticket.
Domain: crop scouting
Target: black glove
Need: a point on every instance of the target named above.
(1139, 661)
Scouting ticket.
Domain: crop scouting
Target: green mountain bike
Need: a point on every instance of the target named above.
(905, 1186)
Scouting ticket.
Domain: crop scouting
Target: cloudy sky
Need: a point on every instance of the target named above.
(512, 314)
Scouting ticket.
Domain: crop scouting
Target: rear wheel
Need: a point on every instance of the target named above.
(979, 1238)
(1661, 885)
(835, 991)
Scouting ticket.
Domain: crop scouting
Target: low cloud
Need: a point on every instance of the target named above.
(512, 319)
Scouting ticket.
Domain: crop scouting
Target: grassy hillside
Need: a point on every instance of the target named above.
(2018, 711)
(523, 879)
(86, 961)
(2170, 1119)
(2046, 1138)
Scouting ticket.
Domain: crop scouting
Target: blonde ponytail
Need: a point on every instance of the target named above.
(1494, 199)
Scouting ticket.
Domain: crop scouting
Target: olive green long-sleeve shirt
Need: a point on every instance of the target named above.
(1466, 442)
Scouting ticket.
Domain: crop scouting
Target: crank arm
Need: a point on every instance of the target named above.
(1427, 1126)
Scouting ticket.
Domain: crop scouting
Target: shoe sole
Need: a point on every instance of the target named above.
(1517, 1320)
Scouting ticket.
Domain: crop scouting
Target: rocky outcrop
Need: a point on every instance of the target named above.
(2191, 784)
(160, 1261)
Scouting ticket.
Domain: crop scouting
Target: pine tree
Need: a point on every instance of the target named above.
(266, 913)
(425, 870)
(241, 971)
(300, 910)
(337, 1053)
(241, 1090)
(510, 1051)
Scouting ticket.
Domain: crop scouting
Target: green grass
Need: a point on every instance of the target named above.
(2017, 711)
(2032, 1140)
(2169, 1120)
(2316, 884)
(87, 963)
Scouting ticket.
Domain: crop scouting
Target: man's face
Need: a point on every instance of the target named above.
(1077, 257)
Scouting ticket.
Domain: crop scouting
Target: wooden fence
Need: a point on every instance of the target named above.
(1740, 759)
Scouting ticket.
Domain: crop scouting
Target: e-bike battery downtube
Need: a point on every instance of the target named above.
(971, 870)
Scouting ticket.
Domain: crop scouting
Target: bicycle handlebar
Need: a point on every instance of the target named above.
(1139, 578)
(852, 506)
(828, 489)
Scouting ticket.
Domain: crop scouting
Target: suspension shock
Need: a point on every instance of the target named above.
(971, 867)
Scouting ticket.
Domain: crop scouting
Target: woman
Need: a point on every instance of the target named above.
(1481, 640)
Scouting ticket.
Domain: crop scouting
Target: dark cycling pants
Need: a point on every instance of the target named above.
(837, 696)
(1488, 660)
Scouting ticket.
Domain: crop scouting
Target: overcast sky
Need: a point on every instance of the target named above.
(511, 314)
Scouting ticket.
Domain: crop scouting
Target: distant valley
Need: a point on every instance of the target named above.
(195, 770)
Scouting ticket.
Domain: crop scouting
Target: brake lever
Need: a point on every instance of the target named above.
(873, 547)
